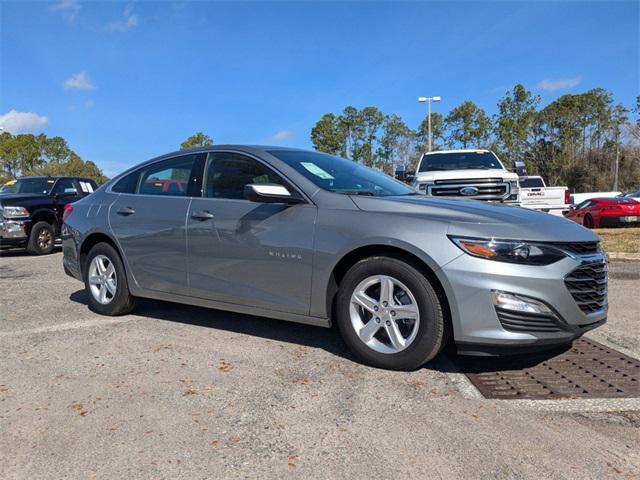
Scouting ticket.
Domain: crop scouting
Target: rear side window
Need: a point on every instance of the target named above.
(228, 173)
(169, 177)
(531, 183)
(128, 184)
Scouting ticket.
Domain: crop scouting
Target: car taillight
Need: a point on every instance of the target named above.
(68, 209)
(567, 197)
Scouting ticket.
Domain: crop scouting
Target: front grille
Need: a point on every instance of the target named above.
(588, 286)
(579, 248)
(526, 322)
(490, 189)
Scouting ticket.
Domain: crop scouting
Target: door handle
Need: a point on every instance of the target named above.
(126, 211)
(203, 215)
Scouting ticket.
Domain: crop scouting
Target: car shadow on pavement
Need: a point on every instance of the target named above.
(469, 364)
(327, 339)
(22, 252)
(308, 335)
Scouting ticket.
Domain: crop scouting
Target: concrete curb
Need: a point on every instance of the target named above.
(624, 257)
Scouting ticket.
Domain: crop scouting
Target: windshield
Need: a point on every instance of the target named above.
(28, 185)
(341, 176)
(459, 161)
(531, 182)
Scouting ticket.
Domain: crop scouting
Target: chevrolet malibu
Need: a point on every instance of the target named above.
(313, 238)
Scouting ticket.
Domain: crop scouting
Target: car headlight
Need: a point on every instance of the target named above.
(14, 212)
(509, 251)
(513, 186)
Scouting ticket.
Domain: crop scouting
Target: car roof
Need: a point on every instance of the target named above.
(211, 148)
(55, 177)
(465, 150)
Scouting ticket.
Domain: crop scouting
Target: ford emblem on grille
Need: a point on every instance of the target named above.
(468, 191)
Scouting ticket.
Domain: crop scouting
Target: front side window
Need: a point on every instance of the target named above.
(228, 173)
(169, 177)
(339, 175)
(64, 186)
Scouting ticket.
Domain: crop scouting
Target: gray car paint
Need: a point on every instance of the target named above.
(278, 260)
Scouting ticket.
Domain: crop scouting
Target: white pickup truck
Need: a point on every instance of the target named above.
(472, 174)
(535, 195)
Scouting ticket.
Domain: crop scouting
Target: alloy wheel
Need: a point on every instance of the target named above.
(44, 239)
(384, 314)
(103, 281)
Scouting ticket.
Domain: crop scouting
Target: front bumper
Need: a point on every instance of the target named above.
(480, 328)
(14, 232)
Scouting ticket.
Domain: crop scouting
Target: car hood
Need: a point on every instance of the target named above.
(475, 218)
(465, 174)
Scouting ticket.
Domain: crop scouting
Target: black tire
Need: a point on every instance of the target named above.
(122, 301)
(588, 221)
(431, 334)
(41, 239)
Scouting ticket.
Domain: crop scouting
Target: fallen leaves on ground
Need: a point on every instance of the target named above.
(225, 366)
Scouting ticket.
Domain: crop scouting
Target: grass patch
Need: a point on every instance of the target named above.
(625, 240)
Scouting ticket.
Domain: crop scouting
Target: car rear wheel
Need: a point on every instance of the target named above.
(389, 314)
(588, 221)
(41, 239)
(106, 282)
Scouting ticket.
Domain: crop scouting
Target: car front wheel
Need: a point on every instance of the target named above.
(389, 314)
(41, 239)
(106, 282)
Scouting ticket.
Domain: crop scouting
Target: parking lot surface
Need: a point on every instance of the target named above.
(173, 391)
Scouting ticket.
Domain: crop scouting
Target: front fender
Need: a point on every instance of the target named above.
(340, 233)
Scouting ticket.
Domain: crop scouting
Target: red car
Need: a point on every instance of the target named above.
(606, 212)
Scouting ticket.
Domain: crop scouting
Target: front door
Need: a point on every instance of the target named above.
(242, 252)
(150, 223)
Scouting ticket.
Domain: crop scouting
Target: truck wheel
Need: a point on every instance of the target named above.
(389, 314)
(41, 239)
(106, 282)
(588, 221)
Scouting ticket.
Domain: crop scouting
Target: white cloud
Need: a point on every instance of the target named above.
(78, 81)
(19, 122)
(69, 9)
(282, 135)
(551, 85)
(128, 20)
(89, 103)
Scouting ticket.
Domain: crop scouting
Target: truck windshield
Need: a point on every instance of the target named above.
(340, 175)
(531, 182)
(459, 161)
(28, 185)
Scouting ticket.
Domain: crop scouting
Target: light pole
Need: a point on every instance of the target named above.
(428, 100)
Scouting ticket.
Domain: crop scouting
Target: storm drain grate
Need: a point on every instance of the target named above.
(587, 370)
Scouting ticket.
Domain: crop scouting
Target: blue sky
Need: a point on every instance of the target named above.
(126, 81)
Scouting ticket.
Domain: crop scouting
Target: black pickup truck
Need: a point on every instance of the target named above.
(31, 210)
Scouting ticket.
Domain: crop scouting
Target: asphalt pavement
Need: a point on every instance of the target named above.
(173, 391)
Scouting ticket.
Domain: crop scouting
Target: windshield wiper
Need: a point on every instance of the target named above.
(356, 192)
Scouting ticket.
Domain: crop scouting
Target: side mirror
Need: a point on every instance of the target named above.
(268, 193)
(520, 168)
(400, 173)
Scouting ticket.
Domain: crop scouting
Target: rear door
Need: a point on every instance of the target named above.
(149, 221)
(248, 253)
